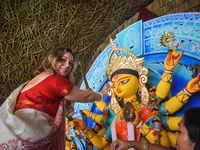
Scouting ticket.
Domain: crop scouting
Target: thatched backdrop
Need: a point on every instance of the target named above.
(29, 28)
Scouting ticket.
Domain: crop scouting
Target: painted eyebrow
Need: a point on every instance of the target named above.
(122, 79)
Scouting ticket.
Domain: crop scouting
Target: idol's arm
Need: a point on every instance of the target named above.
(176, 102)
(170, 62)
(98, 141)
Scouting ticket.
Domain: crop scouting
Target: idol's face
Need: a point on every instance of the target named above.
(125, 85)
(65, 65)
(183, 141)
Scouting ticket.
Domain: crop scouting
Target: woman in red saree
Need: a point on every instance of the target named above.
(33, 116)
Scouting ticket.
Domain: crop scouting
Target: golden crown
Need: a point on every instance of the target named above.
(124, 62)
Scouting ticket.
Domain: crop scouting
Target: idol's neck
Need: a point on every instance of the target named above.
(131, 98)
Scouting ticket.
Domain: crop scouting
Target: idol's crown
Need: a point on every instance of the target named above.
(124, 62)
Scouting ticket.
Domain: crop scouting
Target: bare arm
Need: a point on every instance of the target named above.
(124, 145)
(78, 95)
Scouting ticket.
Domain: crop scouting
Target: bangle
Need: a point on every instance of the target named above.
(168, 71)
(187, 92)
(101, 95)
(139, 124)
(93, 116)
(166, 76)
(183, 96)
(144, 145)
(143, 128)
(88, 133)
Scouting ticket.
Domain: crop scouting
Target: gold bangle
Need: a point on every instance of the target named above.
(183, 100)
(88, 133)
(166, 75)
(93, 115)
(144, 145)
(143, 128)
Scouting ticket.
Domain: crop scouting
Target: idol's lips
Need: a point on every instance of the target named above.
(119, 91)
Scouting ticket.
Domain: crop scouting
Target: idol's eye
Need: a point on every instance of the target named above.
(123, 82)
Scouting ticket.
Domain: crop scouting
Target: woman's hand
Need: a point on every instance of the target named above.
(172, 59)
(120, 145)
(106, 88)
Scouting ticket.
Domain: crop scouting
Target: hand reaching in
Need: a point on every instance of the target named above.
(106, 88)
(120, 145)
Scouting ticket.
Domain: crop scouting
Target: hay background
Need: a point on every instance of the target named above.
(30, 28)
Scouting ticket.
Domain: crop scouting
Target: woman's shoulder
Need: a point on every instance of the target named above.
(55, 78)
(45, 75)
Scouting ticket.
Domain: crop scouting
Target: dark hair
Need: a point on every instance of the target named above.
(192, 124)
(125, 71)
(55, 55)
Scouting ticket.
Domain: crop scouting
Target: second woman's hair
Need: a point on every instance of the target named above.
(192, 124)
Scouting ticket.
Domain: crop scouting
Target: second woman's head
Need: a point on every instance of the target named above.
(188, 135)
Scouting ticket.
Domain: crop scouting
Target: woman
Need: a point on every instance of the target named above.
(188, 135)
(33, 116)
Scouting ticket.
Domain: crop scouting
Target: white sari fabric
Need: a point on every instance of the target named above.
(30, 129)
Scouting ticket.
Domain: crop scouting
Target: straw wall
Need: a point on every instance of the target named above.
(30, 28)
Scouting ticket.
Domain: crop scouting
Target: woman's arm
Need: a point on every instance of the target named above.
(78, 95)
(124, 145)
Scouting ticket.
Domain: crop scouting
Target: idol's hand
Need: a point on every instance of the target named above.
(77, 123)
(136, 119)
(172, 59)
(105, 89)
(86, 112)
(193, 85)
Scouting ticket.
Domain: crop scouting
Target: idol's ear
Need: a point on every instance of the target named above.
(143, 91)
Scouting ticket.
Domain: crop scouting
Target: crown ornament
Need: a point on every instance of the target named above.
(167, 39)
(124, 62)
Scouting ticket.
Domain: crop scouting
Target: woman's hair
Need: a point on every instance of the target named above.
(192, 124)
(50, 61)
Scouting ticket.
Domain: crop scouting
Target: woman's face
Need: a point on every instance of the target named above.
(65, 65)
(125, 85)
(183, 141)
